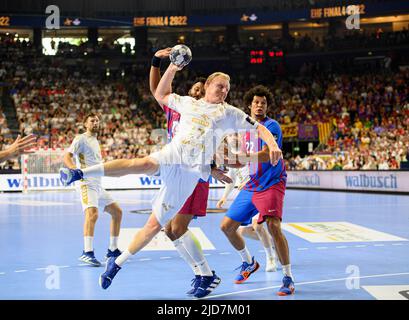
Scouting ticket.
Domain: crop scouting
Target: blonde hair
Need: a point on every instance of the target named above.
(217, 74)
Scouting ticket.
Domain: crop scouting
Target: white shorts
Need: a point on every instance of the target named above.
(172, 154)
(94, 196)
(178, 183)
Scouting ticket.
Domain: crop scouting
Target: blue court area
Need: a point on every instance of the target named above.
(342, 246)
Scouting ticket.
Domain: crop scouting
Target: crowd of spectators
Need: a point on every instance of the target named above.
(369, 112)
(370, 119)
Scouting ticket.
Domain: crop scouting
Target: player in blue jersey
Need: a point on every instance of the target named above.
(263, 194)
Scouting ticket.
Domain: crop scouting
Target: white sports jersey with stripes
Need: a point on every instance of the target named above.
(202, 128)
(87, 152)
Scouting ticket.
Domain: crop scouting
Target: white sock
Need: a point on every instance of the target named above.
(113, 243)
(245, 255)
(123, 257)
(93, 171)
(186, 256)
(287, 271)
(194, 250)
(88, 244)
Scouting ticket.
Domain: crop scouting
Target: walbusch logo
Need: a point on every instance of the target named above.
(372, 181)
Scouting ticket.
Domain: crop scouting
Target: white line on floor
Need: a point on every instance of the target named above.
(1, 273)
(347, 206)
(225, 253)
(309, 282)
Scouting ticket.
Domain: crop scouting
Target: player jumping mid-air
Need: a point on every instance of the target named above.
(203, 125)
(176, 229)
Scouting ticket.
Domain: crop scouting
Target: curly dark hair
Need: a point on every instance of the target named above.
(200, 79)
(260, 91)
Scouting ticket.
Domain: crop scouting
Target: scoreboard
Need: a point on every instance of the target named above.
(262, 56)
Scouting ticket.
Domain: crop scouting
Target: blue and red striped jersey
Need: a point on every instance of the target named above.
(172, 118)
(264, 175)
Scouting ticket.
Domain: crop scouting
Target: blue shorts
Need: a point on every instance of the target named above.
(267, 202)
(242, 209)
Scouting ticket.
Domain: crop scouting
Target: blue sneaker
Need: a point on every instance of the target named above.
(89, 258)
(287, 288)
(68, 176)
(115, 253)
(246, 269)
(207, 285)
(195, 284)
(111, 270)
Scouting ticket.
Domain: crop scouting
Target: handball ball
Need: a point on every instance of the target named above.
(180, 55)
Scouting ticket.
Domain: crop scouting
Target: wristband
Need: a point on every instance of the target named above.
(156, 62)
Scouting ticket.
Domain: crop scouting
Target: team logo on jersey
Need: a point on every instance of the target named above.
(202, 122)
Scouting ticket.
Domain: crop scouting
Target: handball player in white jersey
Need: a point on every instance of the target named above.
(203, 125)
(177, 228)
(85, 152)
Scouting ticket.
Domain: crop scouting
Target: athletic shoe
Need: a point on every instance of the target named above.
(68, 176)
(271, 264)
(195, 284)
(115, 253)
(246, 269)
(111, 270)
(89, 258)
(287, 288)
(207, 285)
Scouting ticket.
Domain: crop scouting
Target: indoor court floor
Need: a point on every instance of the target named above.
(342, 246)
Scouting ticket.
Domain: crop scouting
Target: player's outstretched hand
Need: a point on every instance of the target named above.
(20, 145)
(220, 175)
(163, 53)
(275, 155)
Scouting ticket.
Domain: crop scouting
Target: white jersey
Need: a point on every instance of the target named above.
(87, 152)
(202, 128)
